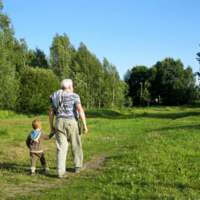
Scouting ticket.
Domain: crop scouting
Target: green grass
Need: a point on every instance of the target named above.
(151, 153)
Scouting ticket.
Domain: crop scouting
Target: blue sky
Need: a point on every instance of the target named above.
(126, 32)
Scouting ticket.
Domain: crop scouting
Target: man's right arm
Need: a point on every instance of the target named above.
(82, 116)
(51, 116)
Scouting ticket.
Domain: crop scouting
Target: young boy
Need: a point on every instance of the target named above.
(34, 143)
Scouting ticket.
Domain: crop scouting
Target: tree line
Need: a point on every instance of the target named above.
(166, 82)
(28, 77)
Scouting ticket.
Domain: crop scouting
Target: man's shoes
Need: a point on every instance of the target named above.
(79, 169)
(63, 176)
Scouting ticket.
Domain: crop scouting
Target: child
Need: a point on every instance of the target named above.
(34, 143)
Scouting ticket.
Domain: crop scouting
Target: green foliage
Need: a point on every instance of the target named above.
(23, 57)
(35, 88)
(167, 81)
(198, 57)
(60, 56)
(114, 95)
(90, 70)
(81, 87)
(146, 95)
(129, 102)
(121, 92)
(6, 113)
(172, 83)
(8, 82)
(39, 59)
(97, 84)
(136, 79)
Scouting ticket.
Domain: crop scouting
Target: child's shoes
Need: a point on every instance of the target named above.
(45, 169)
(32, 173)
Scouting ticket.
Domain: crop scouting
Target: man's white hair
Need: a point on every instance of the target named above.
(66, 83)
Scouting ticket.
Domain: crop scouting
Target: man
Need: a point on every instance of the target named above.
(67, 106)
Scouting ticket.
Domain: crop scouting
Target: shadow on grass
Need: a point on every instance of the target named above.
(114, 114)
(68, 170)
(197, 127)
(192, 105)
(24, 169)
(21, 168)
(14, 167)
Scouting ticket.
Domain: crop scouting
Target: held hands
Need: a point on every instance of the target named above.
(53, 129)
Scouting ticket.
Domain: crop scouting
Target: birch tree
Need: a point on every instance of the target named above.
(60, 56)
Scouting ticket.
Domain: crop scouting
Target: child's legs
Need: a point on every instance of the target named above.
(33, 161)
(42, 159)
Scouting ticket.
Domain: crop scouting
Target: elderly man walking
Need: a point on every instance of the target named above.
(67, 107)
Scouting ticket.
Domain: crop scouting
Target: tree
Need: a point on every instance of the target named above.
(113, 90)
(198, 58)
(171, 82)
(36, 85)
(60, 56)
(8, 82)
(39, 59)
(146, 94)
(121, 98)
(91, 73)
(22, 56)
(191, 88)
(81, 87)
(166, 81)
(115, 83)
(135, 78)
(107, 93)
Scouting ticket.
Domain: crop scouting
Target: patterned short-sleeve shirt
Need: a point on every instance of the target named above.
(68, 106)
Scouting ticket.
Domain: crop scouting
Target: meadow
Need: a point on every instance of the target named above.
(133, 153)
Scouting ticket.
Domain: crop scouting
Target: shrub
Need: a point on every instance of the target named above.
(6, 113)
(36, 86)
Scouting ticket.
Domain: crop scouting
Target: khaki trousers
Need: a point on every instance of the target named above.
(67, 131)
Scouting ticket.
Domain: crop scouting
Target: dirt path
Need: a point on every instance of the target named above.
(96, 162)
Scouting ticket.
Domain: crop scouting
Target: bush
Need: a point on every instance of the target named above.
(36, 86)
(6, 113)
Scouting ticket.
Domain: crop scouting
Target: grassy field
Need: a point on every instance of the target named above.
(135, 153)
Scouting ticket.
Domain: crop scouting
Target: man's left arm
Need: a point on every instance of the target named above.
(82, 116)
